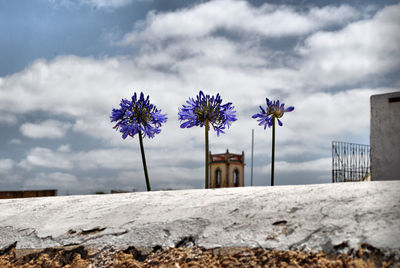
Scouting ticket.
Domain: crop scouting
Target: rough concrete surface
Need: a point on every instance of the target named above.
(329, 217)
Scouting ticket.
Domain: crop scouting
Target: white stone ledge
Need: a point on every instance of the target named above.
(327, 217)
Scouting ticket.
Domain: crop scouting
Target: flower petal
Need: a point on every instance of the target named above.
(289, 109)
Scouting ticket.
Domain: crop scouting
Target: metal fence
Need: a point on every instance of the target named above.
(350, 161)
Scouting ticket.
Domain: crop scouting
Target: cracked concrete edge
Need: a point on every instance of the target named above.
(329, 217)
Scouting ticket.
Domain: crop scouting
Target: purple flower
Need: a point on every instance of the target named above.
(274, 109)
(207, 109)
(138, 115)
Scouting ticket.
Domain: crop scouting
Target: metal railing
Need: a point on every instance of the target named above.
(350, 161)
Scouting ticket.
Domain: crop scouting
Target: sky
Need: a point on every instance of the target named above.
(64, 65)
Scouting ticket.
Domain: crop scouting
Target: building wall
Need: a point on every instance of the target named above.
(213, 168)
(227, 174)
(26, 194)
(232, 168)
(385, 136)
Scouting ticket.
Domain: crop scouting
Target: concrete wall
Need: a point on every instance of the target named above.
(385, 136)
(334, 217)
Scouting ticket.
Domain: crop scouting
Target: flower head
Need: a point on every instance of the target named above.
(138, 115)
(274, 110)
(206, 109)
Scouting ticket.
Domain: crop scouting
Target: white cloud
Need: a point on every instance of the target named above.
(62, 182)
(244, 72)
(52, 179)
(107, 159)
(6, 165)
(162, 178)
(77, 94)
(317, 165)
(15, 141)
(123, 179)
(9, 119)
(107, 3)
(44, 157)
(318, 119)
(64, 159)
(346, 56)
(359, 50)
(238, 17)
(94, 3)
(66, 148)
(163, 170)
(51, 129)
(113, 158)
(325, 114)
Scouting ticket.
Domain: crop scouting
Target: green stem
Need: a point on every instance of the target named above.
(273, 151)
(206, 127)
(146, 175)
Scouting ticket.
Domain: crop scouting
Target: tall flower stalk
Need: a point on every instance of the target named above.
(267, 117)
(138, 116)
(207, 111)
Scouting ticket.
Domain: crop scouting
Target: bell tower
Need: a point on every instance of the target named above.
(226, 170)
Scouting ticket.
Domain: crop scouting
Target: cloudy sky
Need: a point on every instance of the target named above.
(64, 64)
